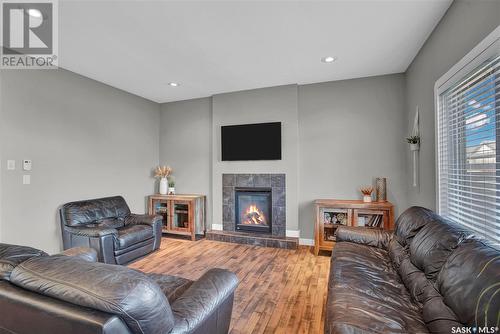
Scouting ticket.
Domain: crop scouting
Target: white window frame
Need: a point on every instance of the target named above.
(486, 49)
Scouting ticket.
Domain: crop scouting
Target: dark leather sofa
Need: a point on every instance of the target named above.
(430, 275)
(72, 293)
(106, 225)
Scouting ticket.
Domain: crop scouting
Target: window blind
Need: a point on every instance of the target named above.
(468, 133)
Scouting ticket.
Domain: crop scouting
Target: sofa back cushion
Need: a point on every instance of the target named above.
(410, 222)
(118, 290)
(94, 210)
(431, 246)
(470, 283)
(12, 255)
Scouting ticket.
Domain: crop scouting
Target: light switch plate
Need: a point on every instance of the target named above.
(26, 179)
(11, 164)
(26, 164)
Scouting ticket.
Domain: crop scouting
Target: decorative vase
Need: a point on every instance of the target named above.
(163, 186)
(414, 147)
(367, 198)
(381, 189)
(171, 190)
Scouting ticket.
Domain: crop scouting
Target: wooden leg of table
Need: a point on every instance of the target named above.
(193, 236)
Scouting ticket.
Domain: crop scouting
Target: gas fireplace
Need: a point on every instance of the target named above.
(253, 209)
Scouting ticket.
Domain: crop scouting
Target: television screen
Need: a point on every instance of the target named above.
(251, 142)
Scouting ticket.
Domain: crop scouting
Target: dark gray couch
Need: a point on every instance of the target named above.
(106, 225)
(71, 293)
(430, 275)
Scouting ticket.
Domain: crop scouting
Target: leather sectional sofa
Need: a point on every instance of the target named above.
(106, 225)
(430, 275)
(72, 293)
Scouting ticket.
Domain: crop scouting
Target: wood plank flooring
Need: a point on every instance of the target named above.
(280, 291)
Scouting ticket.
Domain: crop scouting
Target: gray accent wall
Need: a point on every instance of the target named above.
(350, 132)
(86, 140)
(465, 24)
(274, 104)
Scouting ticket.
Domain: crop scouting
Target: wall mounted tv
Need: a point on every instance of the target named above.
(251, 142)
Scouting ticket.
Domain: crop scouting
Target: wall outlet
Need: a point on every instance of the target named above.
(11, 164)
(26, 179)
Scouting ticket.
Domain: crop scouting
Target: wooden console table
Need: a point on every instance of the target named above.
(331, 213)
(182, 214)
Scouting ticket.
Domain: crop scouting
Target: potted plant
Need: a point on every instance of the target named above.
(414, 142)
(163, 172)
(171, 185)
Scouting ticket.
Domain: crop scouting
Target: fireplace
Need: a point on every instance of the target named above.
(253, 208)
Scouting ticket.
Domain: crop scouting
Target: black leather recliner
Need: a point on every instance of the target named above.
(107, 226)
(71, 293)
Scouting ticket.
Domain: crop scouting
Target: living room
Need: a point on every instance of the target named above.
(249, 167)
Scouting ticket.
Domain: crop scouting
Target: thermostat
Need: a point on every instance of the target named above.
(26, 164)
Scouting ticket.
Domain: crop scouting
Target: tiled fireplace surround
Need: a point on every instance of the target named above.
(276, 182)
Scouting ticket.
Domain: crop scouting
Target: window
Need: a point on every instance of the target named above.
(468, 145)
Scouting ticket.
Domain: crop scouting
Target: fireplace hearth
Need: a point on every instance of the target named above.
(253, 208)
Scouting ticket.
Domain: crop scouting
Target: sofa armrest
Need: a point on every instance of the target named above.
(91, 232)
(135, 219)
(212, 293)
(84, 253)
(366, 236)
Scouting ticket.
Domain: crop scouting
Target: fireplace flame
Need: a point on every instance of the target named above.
(253, 216)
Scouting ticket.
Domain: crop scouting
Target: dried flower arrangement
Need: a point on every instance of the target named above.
(366, 191)
(163, 171)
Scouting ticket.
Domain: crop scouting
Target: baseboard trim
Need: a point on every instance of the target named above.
(293, 233)
(217, 227)
(306, 242)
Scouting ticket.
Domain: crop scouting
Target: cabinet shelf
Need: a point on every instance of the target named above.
(331, 213)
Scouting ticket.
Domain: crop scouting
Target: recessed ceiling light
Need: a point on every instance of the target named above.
(34, 13)
(173, 84)
(328, 59)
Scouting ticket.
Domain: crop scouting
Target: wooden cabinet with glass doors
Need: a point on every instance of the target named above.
(182, 214)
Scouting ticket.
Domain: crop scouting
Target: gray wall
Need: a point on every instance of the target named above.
(185, 137)
(275, 104)
(86, 140)
(463, 26)
(350, 132)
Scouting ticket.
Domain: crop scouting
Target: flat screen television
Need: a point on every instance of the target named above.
(251, 142)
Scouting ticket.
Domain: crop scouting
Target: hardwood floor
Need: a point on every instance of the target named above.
(280, 291)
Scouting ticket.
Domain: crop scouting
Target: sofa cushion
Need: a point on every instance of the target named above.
(12, 255)
(421, 289)
(410, 222)
(470, 283)
(118, 290)
(366, 294)
(132, 234)
(432, 245)
(172, 286)
(91, 211)
(396, 252)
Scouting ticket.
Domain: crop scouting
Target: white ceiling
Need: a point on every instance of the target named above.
(213, 47)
